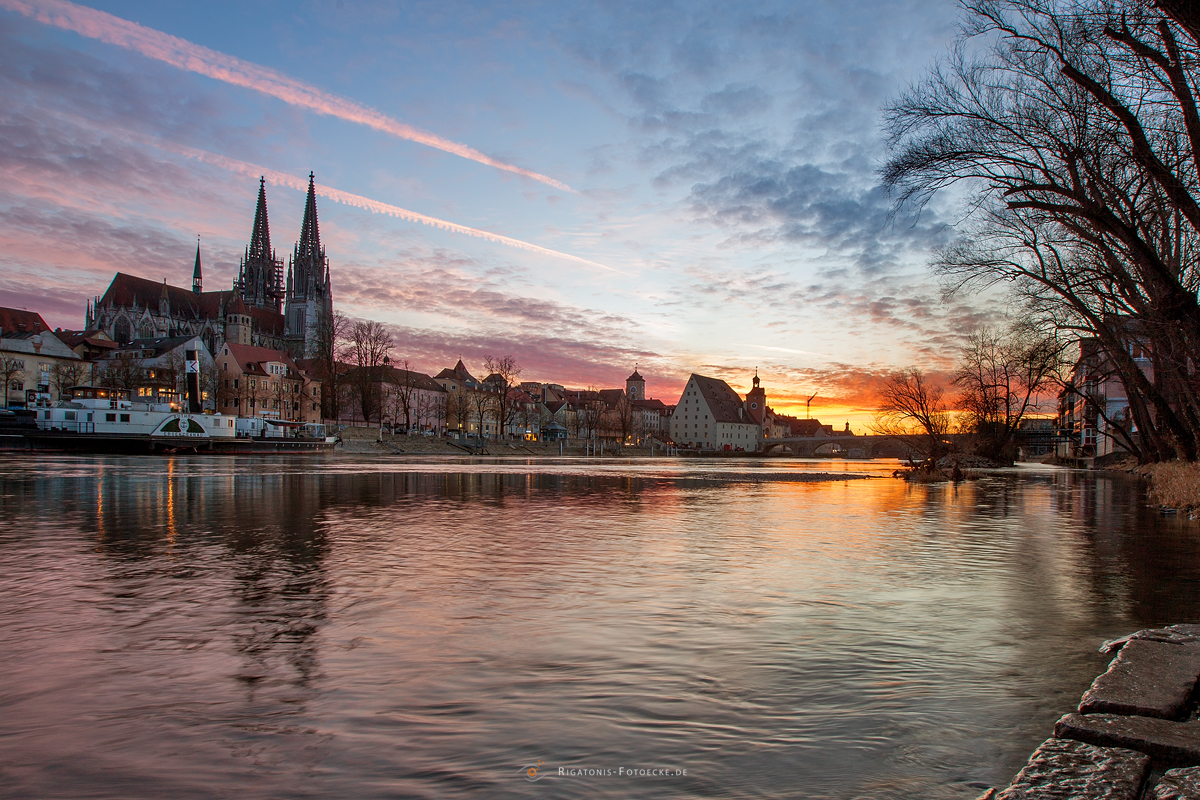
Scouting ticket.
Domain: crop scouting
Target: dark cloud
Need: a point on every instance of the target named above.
(438, 282)
(576, 363)
(785, 153)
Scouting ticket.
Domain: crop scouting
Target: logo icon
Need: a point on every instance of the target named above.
(532, 772)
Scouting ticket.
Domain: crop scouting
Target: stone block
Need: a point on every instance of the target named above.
(1147, 679)
(1062, 768)
(1177, 743)
(1174, 634)
(1177, 784)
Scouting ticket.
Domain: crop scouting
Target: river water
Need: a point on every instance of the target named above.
(266, 627)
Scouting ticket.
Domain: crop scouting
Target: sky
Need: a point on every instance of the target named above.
(680, 187)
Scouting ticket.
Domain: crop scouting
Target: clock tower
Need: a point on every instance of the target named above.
(635, 386)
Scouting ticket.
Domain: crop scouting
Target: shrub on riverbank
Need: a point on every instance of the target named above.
(1175, 484)
(929, 472)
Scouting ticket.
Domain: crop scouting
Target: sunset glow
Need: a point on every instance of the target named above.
(695, 191)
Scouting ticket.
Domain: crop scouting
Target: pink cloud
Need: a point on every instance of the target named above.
(185, 55)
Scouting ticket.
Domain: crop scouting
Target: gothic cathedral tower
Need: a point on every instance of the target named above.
(258, 283)
(308, 304)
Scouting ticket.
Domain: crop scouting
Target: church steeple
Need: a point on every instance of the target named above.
(310, 236)
(309, 301)
(308, 271)
(260, 279)
(260, 237)
(196, 281)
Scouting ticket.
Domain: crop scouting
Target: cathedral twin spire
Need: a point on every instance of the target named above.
(308, 271)
(260, 278)
(259, 281)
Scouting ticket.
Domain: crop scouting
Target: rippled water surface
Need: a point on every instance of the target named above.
(258, 627)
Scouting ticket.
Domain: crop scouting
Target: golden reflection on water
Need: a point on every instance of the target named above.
(425, 629)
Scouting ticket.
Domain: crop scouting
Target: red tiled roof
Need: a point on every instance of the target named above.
(127, 290)
(91, 338)
(417, 380)
(722, 400)
(805, 427)
(245, 355)
(18, 320)
(611, 396)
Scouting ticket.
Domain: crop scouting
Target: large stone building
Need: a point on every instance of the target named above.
(259, 311)
(711, 416)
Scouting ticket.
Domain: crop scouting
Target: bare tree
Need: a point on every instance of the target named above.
(210, 380)
(529, 414)
(483, 406)
(622, 415)
(914, 410)
(370, 345)
(332, 334)
(1077, 128)
(404, 391)
(9, 369)
(1001, 377)
(503, 372)
(458, 409)
(124, 372)
(589, 413)
(66, 374)
(431, 410)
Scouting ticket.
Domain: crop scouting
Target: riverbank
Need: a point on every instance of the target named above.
(1173, 484)
(1134, 733)
(367, 441)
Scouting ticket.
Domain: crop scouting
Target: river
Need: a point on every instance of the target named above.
(325, 626)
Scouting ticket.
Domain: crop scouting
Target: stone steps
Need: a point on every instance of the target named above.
(1134, 736)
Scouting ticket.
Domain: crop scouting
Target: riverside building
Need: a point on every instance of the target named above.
(710, 415)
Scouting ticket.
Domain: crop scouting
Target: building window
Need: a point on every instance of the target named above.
(110, 417)
(124, 418)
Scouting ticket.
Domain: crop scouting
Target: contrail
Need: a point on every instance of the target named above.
(195, 58)
(358, 201)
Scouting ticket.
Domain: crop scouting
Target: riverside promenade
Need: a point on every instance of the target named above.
(1135, 734)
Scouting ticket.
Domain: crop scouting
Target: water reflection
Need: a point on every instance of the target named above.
(271, 627)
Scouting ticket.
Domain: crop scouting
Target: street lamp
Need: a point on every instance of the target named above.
(386, 361)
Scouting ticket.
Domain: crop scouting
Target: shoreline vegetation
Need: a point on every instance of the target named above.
(1173, 484)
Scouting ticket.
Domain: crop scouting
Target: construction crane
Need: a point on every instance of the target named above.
(808, 404)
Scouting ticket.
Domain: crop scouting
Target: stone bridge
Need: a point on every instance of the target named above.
(868, 446)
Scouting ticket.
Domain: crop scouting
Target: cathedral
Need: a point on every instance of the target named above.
(261, 309)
